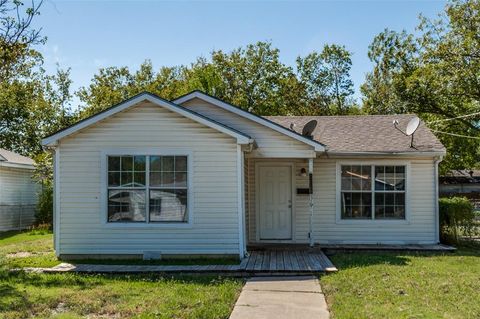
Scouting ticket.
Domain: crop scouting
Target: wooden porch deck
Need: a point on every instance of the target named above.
(269, 262)
(287, 261)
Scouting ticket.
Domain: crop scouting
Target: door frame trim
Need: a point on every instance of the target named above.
(291, 165)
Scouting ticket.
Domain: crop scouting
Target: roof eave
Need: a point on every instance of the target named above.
(17, 165)
(434, 153)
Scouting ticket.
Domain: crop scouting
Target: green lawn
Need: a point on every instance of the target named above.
(28, 295)
(405, 285)
(367, 285)
(27, 249)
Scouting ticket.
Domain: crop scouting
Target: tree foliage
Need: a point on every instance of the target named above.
(32, 103)
(326, 78)
(456, 214)
(252, 77)
(112, 85)
(17, 36)
(434, 74)
(32, 108)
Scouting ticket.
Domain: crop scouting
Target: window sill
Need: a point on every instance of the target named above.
(142, 225)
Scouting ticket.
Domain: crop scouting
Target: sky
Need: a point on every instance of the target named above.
(88, 35)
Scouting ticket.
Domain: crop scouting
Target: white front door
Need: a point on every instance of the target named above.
(275, 202)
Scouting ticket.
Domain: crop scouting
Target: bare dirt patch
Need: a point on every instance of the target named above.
(25, 254)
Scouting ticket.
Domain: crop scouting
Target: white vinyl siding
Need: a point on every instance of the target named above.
(213, 225)
(18, 198)
(419, 228)
(270, 143)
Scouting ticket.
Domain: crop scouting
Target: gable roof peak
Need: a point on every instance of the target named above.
(318, 146)
(241, 137)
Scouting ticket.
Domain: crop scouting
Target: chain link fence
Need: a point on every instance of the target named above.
(15, 217)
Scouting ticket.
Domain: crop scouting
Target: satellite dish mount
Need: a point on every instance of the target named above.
(412, 127)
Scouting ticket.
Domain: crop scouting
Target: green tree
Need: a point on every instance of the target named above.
(115, 84)
(435, 75)
(31, 109)
(252, 77)
(394, 54)
(17, 36)
(326, 78)
(32, 103)
(43, 175)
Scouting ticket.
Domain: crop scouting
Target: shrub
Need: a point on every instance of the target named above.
(456, 214)
(44, 213)
(44, 176)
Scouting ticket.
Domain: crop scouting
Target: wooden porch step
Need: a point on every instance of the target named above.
(287, 261)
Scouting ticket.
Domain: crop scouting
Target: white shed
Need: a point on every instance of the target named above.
(18, 191)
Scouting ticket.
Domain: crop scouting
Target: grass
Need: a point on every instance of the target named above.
(115, 296)
(69, 295)
(405, 285)
(368, 285)
(36, 247)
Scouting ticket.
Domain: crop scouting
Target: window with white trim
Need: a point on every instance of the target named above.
(147, 188)
(373, 192)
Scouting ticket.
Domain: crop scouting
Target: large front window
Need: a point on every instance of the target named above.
(372, 192)
(147, 188)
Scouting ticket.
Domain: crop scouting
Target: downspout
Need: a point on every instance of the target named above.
(436, 205)
(310, 192)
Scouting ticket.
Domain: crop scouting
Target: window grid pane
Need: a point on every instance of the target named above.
(126, 205)
(356, 205)
(168, 205)
(356, 177)
(388, 192)
(168, 172)
(126, 171)
(166, 196)
(356, 195)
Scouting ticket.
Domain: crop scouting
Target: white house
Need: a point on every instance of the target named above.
(18, 192)
(198, 176)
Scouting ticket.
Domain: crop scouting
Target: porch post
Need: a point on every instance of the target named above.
(310, 192)
(240, 201)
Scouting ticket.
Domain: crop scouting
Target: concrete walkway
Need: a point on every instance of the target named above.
(281, 297)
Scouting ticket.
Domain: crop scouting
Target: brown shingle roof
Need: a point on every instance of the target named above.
(14, 158)
(365, 133)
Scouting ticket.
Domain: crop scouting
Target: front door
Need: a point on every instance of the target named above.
(275, 202)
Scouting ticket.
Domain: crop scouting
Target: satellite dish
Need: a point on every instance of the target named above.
(309, 128)
(292, 126)
(412, 126)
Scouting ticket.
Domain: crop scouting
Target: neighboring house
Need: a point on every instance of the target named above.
(199, 176)
(461, 183)
(18, 192)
